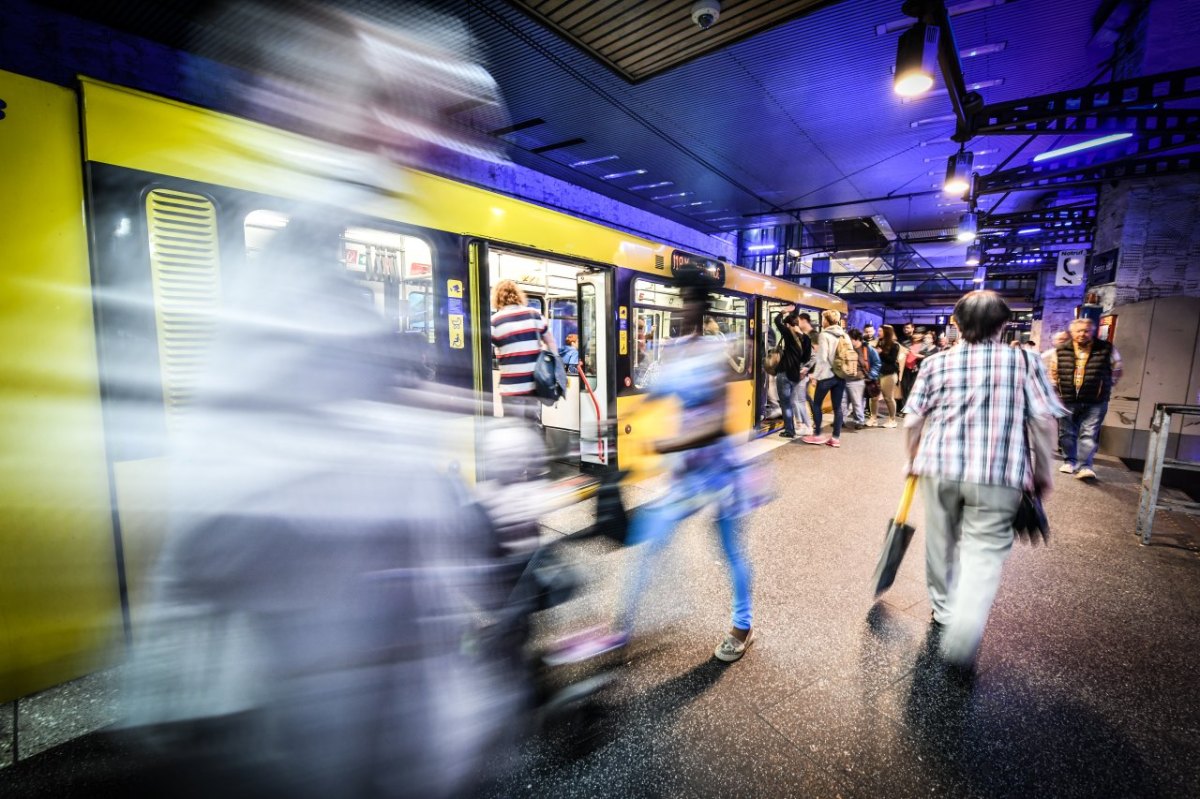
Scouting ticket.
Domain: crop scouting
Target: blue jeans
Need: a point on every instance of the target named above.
(836, 387)
(793, 401)
(656, 523)
(1079, 433)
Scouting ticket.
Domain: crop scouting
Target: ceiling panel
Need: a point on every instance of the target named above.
(641, 38)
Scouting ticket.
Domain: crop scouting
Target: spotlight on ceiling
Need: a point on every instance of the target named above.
(793, 253)
(958, 172)
(974, 253)
(968, 227)
(916, 60)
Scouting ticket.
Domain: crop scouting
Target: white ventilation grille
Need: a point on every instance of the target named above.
(185, 271)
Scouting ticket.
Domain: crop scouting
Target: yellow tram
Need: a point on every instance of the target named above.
(111, 192)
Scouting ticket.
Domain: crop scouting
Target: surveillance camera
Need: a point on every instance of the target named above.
(705, 13)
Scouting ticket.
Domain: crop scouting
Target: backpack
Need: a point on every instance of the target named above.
(773, 359)
(845, 360)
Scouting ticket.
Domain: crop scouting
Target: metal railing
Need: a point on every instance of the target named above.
(1156, 461)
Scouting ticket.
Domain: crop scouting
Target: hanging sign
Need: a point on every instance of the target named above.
(1072, 268)
(1103, 268)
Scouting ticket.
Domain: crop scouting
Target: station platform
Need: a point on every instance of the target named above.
(1085, 686)
(1086, 683)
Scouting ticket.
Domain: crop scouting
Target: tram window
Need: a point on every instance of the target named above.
(398, 271)
(259, 228)
(564, 318)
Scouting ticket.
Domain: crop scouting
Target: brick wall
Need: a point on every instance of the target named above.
(1156, 223)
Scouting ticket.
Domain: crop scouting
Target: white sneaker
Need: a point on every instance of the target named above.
(1085, 474)
(890, 423)
(804, 430)
(1067, 468)
(732, 649)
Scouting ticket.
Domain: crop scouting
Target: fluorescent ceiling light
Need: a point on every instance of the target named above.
(669, 196)
(983, 49)
(1083, 145)
(625, 174)
(600, 160)
(760, 248)
(932, 120)
(1028, 231)
(658, 185)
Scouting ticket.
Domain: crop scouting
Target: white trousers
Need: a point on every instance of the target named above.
(968, 535)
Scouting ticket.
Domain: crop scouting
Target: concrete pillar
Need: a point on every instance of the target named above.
(1156, 225)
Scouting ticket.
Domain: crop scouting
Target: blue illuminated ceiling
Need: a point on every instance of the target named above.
(799, 115)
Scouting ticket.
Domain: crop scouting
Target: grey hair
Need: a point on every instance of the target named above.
(1083, 320)
(980, 315)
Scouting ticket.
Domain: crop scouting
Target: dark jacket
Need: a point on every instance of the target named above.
(797, 351)
(889, 362)
(1097, 374)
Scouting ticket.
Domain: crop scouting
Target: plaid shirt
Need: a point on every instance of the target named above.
(975, 400)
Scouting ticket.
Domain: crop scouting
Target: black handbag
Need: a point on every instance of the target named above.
(1030, 523)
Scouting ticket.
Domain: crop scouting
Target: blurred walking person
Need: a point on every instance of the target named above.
(706, 471)
(980, 429)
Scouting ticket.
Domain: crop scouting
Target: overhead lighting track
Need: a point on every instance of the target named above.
(1133, 105)
(558, 145)
(957, 9)
(590, 161)
(517, 126)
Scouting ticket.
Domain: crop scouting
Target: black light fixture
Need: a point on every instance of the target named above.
(968, 227)
(916, 60)
(958, 172)
(974, 253)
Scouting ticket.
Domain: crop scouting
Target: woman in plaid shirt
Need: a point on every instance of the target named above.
(981, 422)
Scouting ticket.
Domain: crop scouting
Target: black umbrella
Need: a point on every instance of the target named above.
(896, 541)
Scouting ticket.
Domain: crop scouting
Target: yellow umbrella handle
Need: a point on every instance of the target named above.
(910, 488)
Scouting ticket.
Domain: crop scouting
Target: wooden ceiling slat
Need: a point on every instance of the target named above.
(597, 10)
(563, 14)
(640, 16)
(641, 39)
(682, 30)
(655, 60)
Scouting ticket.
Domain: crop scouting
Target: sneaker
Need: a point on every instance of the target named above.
(786, 434)
(1067, 468)
(833, 442)
(732, 649)
(890, 423)
(1085, 474)
(804, 430)
(584, 646)
(872, 423)
(814, 439)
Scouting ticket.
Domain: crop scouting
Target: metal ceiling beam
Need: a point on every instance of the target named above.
(1049, 238)
(1133, 105)
(792, 211)
(1057, 217)
(1043, 177)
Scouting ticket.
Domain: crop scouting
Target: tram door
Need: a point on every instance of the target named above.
(595, 367)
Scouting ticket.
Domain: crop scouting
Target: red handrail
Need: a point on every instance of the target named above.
(599, 435)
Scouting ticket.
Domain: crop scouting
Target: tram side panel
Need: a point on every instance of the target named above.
(60, 613)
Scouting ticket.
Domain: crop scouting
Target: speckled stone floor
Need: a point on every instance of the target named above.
(1086, 683)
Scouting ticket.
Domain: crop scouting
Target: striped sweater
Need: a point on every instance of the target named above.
(517, 336)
